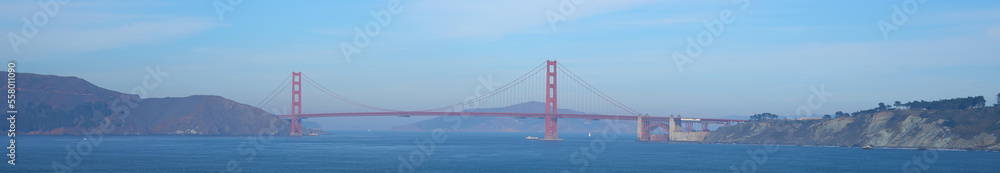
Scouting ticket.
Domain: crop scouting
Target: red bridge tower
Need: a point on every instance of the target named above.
(296, 103)
(550, 102)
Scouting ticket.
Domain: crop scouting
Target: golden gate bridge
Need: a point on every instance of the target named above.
(587, 101)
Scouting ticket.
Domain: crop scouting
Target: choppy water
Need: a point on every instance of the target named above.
(465, 152)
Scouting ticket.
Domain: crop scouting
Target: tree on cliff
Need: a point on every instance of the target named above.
(955, 103)
(841, 114)
(763, 116)
(827, 116)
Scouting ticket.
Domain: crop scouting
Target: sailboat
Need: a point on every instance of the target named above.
(588, 134)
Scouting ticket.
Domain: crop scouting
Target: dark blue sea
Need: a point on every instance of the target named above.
(463, 152)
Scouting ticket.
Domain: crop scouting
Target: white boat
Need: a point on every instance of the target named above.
(531, 138)
(588, 134)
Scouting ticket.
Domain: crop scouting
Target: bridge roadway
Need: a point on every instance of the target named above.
(508, 114)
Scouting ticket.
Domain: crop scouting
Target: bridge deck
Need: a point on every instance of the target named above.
(504, 114)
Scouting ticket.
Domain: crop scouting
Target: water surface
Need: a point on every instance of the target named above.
(465, 152)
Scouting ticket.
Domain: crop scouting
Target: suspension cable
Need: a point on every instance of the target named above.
(275, 90)
(593, 89)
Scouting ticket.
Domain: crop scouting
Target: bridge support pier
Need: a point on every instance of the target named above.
(550, 128)
(673, 125)
(296, 126)
(640, 128)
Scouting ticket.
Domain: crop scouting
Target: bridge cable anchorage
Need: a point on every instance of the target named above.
(275, 89)
(517, 81)
(341, 97)
(594, 90)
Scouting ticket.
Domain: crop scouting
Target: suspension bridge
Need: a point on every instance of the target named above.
(583, 100)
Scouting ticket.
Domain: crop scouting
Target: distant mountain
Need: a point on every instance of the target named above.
(58, 105)
(507, 124)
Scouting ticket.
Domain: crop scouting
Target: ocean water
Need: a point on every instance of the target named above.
(463, 152)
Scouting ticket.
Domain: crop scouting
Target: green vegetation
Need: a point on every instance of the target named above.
(943, 104)
(763, 116)
(955, 103)
(842, 114)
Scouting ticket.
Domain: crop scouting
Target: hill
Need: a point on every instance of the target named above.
(59, 105)
(969, 128)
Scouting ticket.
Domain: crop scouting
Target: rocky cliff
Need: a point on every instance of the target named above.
(974, 128)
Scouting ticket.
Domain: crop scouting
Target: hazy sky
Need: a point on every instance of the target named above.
(431, 53)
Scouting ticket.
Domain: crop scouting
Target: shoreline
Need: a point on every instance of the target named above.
(874, 147)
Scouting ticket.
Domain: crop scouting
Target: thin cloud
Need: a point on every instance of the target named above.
(100, 25)
(661, 21)
(122, 35)
(495, 19)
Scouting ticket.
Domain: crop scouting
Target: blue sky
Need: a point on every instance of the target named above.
(432, 52)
